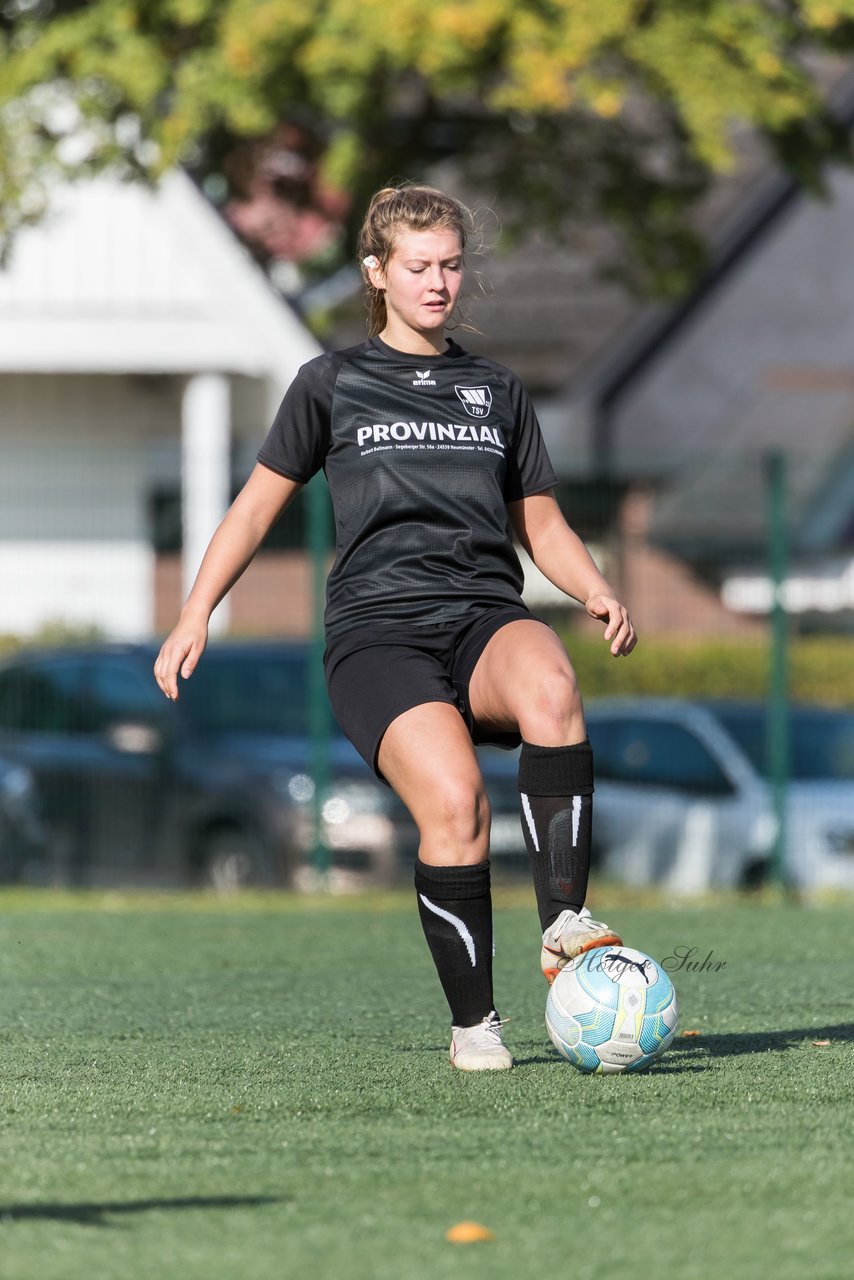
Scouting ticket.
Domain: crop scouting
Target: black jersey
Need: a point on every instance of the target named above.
(421, 454)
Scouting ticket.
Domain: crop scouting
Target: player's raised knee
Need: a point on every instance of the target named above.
(554, 714)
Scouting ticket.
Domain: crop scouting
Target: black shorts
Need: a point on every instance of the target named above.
(374, 674)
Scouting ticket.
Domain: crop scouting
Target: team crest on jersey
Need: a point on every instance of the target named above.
(477, 401)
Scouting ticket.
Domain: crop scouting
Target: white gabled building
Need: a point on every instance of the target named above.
(141, 351)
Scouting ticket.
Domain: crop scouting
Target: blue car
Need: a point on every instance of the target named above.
(23, 839)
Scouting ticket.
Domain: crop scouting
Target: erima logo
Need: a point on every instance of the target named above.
(423, 379)
(460, 432)
(476, 400)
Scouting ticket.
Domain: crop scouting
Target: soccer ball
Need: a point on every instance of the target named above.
(611, 1009)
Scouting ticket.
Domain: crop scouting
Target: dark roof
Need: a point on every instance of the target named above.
(740, 210)
(548, 311)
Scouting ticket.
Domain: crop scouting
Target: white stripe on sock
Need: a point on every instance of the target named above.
(576, 818)
(529, 817)
(458, 924)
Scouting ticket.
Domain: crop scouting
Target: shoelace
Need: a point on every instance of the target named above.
(583, 917)
(590, 923)
(492, 1027)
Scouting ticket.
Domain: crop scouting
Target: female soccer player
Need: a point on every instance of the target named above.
(433, 456)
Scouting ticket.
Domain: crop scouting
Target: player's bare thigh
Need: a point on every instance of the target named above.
(524, 679)
(427, 756)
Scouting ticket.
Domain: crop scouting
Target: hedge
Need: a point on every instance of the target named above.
(821, 668)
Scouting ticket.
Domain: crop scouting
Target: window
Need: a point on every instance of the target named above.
(257, 693)
(45, 696)
(655, 753)
(289, 533)
(821, 739)
(123, 690)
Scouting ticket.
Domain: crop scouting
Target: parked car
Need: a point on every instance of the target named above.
(216, 788)
(683, 798)
(22, 834)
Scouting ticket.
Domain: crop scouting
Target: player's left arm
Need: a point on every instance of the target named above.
(560, 554)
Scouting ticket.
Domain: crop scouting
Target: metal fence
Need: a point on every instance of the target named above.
(737, 570)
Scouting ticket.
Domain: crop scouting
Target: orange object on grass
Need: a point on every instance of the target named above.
(468, 1233)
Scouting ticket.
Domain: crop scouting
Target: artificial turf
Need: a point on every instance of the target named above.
(261, 1089)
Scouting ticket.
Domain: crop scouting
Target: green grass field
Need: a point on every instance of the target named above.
(195, 1089)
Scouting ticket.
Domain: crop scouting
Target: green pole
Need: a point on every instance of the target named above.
(317, 497)
(777, 711)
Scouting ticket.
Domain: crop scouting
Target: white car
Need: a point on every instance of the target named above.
(683, 800)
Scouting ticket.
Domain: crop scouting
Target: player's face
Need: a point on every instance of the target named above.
(422, 281)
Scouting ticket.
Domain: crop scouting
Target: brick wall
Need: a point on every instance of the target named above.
(272, 598)
(663, 594)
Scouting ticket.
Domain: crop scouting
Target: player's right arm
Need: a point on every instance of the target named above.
(248, 521)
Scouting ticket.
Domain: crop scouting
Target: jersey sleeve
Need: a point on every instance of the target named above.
(529, 469)
(299, 439)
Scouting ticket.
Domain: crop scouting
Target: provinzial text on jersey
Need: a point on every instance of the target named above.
(466, 431)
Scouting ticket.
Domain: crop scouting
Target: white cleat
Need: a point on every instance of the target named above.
(570, 936)
(479, 1048)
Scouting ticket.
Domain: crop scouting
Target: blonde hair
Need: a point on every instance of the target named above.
(412, 207)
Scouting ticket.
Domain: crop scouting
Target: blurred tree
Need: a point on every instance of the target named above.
(294, 110)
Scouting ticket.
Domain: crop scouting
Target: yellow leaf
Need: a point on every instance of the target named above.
(607, 104)
(468, 1233)
(768, 64)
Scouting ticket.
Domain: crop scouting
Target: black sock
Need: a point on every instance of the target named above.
(455, 905)
(556, 790)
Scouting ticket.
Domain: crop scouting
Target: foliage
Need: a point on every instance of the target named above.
(57, 632)
(822, 669)
(566, 109)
